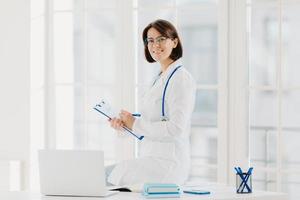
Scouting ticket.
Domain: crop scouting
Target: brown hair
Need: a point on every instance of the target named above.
(167, 30)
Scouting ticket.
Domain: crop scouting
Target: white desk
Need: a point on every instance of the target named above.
(217, 193)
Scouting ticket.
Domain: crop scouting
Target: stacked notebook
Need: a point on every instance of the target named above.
(160, 190)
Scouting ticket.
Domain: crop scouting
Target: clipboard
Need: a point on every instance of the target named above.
(104, 109)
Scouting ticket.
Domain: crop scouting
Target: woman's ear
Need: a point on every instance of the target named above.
(175, 43)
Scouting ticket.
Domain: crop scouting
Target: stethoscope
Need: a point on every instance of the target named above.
(163, 115)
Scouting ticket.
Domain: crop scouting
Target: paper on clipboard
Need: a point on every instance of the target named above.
(105, 109)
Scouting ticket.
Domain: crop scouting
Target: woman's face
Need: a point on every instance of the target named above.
(160, 47)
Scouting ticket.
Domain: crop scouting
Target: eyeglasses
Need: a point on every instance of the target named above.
(161, 40)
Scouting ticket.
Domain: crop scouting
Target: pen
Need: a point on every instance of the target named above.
(246, 179)
(136, 114)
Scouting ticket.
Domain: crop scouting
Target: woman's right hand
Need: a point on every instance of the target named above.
(116, 123)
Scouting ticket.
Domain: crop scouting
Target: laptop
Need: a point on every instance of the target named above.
(72, 173)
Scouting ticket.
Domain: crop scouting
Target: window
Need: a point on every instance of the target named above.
(75, 62)
(274, 94)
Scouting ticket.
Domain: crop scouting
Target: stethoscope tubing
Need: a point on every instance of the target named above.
(164, 94)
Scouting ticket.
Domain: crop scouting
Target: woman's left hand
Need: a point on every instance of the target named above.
(127, 118)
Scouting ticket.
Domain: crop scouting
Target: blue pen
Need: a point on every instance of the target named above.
(241, 174)
(246, 179)
(136, 115)
(237, 171)
(240, 169)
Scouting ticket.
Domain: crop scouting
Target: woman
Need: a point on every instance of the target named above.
(164, 155)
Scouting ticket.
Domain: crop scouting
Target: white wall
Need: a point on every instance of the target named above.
(14, 80)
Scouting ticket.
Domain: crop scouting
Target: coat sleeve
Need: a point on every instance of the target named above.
(181, 99)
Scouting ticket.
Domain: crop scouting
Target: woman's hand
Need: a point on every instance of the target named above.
(127, 119)
(116, 123)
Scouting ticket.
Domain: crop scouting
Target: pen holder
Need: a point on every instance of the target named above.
(243, 183)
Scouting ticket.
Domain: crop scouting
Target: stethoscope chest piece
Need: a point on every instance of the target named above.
(164, 119)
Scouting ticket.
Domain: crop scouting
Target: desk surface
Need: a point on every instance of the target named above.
(217, 193)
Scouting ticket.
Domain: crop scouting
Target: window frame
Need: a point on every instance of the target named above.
(233, 133)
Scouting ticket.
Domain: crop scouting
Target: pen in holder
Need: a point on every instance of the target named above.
(243, 180)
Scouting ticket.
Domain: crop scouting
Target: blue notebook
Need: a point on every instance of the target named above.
(149, 196)
(160, 190)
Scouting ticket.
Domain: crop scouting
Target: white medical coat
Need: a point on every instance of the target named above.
(164, 154)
